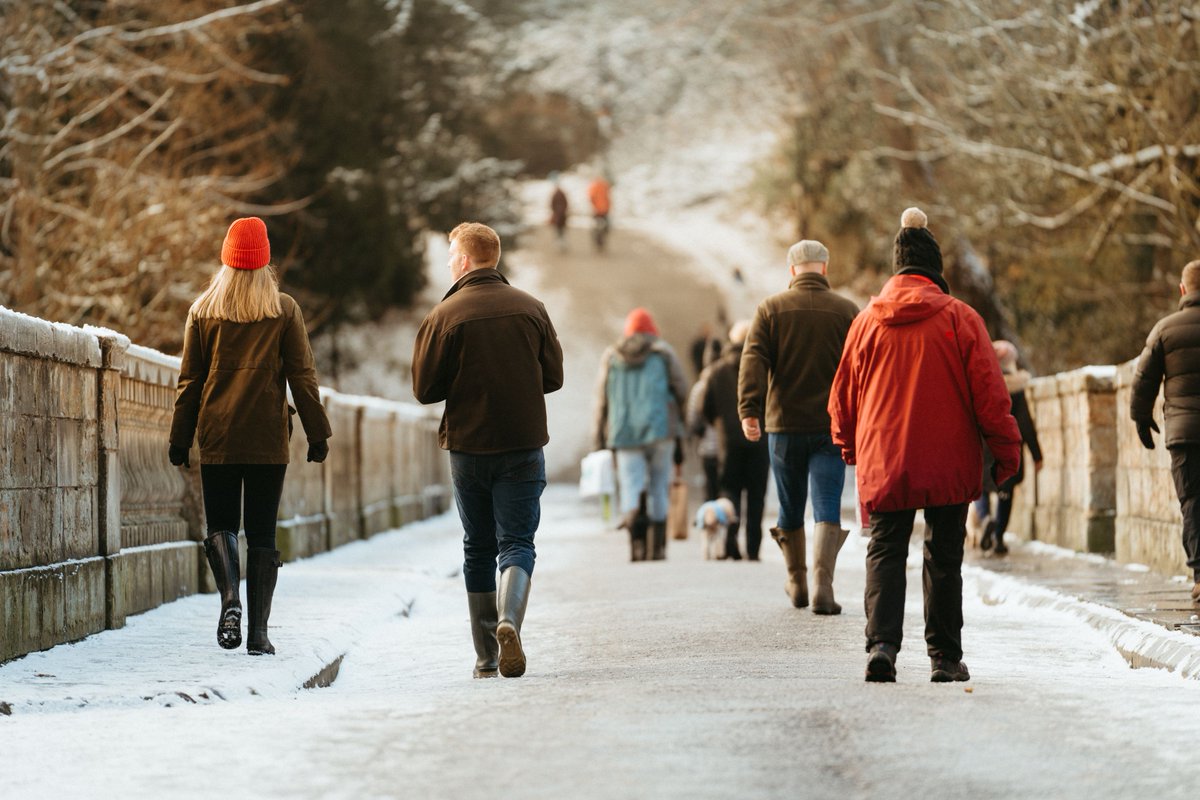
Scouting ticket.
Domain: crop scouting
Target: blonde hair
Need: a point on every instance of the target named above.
(1191, 276)
(240, 295)
(479, 242)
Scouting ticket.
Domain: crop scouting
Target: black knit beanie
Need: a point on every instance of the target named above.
(915, 251)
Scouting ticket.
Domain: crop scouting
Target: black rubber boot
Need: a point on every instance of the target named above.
(511, 601)
(262, 570)
(658, 540)
(636, 523)
(222, 551)
(484, 619)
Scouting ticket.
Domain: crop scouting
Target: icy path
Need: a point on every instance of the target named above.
(685, 679)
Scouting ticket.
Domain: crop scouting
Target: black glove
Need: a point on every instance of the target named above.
(178, 456)
(318, 450)
(1143, 429)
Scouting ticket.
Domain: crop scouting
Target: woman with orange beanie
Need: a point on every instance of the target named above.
(243, 340)
(640, 396)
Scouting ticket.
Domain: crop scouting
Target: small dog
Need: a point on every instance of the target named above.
(637, 522)
(715, 517)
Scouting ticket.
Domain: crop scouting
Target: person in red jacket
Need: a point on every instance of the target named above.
(917, 385)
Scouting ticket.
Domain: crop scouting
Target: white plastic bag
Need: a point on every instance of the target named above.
(596, 474)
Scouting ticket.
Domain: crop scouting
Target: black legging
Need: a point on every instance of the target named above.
(224, 485)
(745, 472)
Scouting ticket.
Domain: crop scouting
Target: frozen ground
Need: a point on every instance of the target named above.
(678, 679)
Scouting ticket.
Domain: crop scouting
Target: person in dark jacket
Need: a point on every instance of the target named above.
(1169, 360)
(788, 362)
(745, 465)
(559, 213)
(917, 387)
(640, 400)
(243, 340)
(1015, 380)
(490, 352)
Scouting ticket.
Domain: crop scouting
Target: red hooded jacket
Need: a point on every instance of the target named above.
(917, 385)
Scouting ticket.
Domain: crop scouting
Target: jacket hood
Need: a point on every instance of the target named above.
(481, 275)
(635, 349)
(906, 299)
(1189, 300)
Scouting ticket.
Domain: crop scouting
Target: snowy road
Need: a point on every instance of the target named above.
(683, 679)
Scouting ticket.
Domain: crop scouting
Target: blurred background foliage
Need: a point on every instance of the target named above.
(134, 131)
(1053, 144)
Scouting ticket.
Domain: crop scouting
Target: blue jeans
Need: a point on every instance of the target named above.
(801, 460)
(499, 502)
(646, 469)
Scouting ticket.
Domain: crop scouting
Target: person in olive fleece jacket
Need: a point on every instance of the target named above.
(1169, 360)
(242, 341)
(491, 353)
(788, 363)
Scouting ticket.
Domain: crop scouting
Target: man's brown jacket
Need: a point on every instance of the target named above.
(791, 355)
(490, 351)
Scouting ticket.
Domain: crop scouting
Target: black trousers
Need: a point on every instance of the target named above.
(712, 477)
(945, 531)
(224, 486)
(745, 472)
(1185, 469)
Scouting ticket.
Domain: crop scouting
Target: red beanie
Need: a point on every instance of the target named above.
(246, 245)
(640, 321)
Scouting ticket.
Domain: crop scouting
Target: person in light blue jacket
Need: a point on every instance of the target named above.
(640, 395)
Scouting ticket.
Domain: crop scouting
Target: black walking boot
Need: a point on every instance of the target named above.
(881, 664)
(512, 599)
(484, 619)
(262, 570)
(222, 551)
(944, 670)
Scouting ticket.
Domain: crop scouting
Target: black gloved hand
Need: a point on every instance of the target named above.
(1143, 429)
(317, 451)
(178, 456)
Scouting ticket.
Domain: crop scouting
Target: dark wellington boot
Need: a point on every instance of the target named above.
(222, 551)
(635, 523)
(262, 570)
(484, 618)
(511, 601)
(658, 540)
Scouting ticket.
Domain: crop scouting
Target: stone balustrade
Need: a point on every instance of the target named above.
(1100, 490)
(96, 525)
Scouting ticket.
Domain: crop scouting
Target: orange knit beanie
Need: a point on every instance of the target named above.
(246, 245)
(640, 321)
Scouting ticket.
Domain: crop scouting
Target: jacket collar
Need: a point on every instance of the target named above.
(1189, 300)
(809, 280)
(476, 276)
